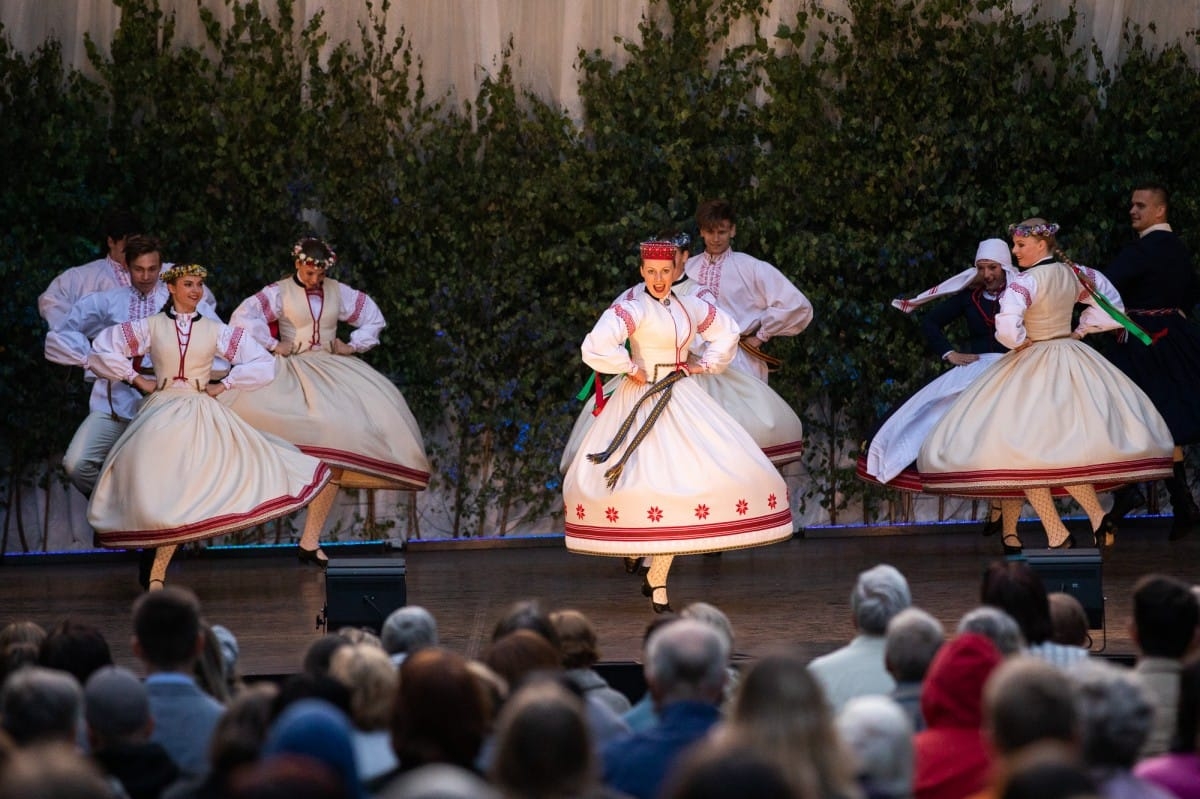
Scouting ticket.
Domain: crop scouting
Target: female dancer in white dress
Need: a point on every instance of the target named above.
(764, 414)
(895, 445)
(666, 471)
(324, 400)
(187, 468)
(1053, 411)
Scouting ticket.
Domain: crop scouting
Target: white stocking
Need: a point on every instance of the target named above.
(1085, 495)
(657, 577)
(1043, 503)
(1010, 514)
(318, 512)
(158, 572)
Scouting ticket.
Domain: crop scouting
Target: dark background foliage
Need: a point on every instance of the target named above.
(866, 156)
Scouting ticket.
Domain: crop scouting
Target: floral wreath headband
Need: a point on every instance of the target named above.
(1040, 229)
(324, 263)
(184, 270)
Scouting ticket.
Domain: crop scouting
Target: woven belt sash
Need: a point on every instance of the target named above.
(663, 387)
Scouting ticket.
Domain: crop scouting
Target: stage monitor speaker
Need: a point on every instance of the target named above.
(362, 592)
(1074, 572)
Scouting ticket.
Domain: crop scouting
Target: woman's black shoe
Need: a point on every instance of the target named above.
(991, 527)
(647, 590)
(314, 556)
(1106, 533)
(635, 566)
(1011, 549)
(659, 607)
(1067, 543)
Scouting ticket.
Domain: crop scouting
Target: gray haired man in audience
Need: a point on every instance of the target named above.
(857, 669)
(406, 630)
(913, 638)
(685, 673)
(40, 706)
(995, 625)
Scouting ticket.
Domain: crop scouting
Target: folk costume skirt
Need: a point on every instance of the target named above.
(697, 482)
(339, 409)
(769, 420)
(1056, 413)
(187, 468)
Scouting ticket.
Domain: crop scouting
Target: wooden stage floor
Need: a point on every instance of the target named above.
(794, 593)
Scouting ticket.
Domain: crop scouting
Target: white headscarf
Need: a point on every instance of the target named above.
(989, 250)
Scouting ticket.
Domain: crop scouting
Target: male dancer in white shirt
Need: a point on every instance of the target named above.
(761, 300)
(102, 274)
(111, 405)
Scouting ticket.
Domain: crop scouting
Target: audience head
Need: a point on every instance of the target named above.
(1186, 739)
(519, 654)
(360, 635)
(780, 711)
(1165, 615)
(1014, 587)
(880, 735)
(288, 776)
(116, 708)
(22, 632)
(526, 615)
(229, 654)
(311, 686)
(318, 731)
(577, 639)
(1026, 701)
(78, 649)
(879, 594)
(713, 616)
(166, 629)
(20, 644)
(1068, 620)
(543, 745)
(952, 695)
(439, 781)
(685, 660)
(408, 629)
(717, 770)
(242, 729)
(995, 625)
(441, 712)
(913, 638)
(209, 668)
(53, 771)
(320, 652)
(371, 678)
(1115, 713)
(39, 705)
(1047, 770)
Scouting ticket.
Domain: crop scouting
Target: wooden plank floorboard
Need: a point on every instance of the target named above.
(794, 593)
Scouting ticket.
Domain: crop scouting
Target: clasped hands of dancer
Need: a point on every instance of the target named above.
(638, 375)
(337, 347)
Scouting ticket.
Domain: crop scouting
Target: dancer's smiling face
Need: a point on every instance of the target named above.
(659, 275)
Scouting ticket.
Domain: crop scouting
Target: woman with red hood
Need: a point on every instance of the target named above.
(952, 760)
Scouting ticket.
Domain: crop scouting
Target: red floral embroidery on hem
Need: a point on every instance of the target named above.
(742, 507)
(654, 514)
(701, 511)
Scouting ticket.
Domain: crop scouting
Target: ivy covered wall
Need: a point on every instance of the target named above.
(867, 155)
